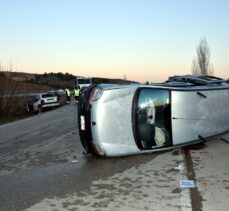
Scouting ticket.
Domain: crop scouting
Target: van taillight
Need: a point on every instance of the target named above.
(97, 150)
(42, 102)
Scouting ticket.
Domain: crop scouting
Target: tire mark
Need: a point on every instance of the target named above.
(196, 198)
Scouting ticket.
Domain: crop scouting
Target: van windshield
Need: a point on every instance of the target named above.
(153, 118)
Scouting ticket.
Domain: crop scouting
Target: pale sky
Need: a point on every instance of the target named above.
(146, 40)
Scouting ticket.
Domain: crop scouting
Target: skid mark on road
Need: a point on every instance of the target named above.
(150, 186)
(196, 197)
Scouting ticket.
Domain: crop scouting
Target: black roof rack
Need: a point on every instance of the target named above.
(176, 84)
(196, 80)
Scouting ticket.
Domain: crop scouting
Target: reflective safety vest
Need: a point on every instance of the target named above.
(68, 92)
(76, 92)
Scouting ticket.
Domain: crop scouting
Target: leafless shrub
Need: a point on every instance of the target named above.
(8, 92)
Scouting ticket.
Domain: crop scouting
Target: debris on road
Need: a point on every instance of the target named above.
(86, 153)
(74, 161)
(187, 184)
(180, 167)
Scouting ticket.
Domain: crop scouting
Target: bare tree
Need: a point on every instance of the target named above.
(8, 92)
(201, 65)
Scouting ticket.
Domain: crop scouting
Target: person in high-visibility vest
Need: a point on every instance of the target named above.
(68, 95)
(76, 94)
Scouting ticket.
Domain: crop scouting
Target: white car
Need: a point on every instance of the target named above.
(42, 101)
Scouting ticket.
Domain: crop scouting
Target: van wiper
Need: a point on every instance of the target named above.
(202, 138)
(188, 118)
(201, 94)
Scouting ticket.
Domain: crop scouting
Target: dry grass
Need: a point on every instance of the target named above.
(12, 105)
(17, 109)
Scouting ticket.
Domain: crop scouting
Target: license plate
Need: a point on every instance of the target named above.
(82, 122)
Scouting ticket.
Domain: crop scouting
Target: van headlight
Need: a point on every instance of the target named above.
(96, 93)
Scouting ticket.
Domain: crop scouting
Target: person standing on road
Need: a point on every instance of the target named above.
(77, 94)
(68, 95)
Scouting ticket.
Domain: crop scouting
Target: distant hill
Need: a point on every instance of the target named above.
(9, 85)
(57, 80)
(19, 76)
(54, 80)
(97, 80)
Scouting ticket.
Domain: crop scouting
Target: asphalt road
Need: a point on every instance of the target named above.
(42, 167)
